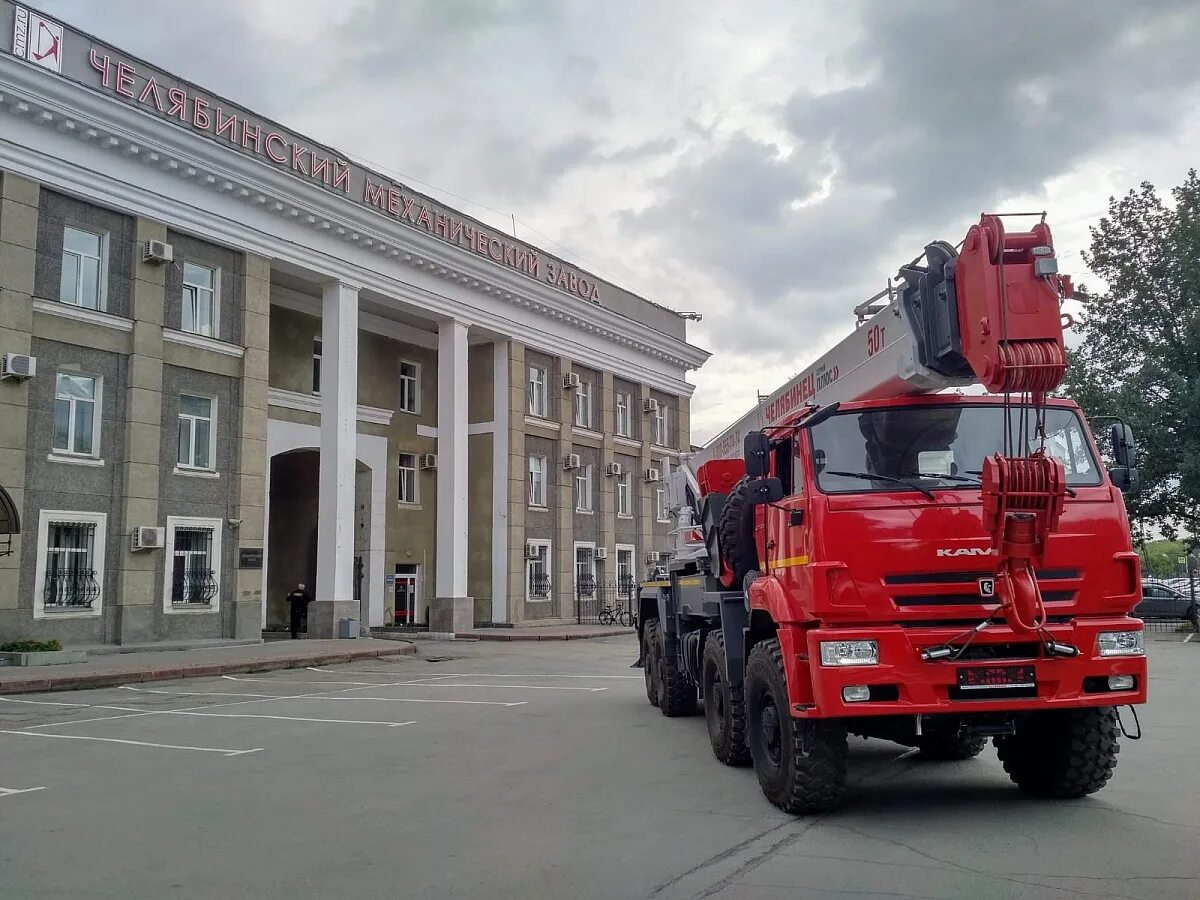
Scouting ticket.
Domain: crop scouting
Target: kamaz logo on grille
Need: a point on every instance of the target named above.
(966, 551)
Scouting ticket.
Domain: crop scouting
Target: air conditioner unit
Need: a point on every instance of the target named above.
(571, 461)
(650, 406)
(652, 474)
(428, 461)
(601, 553)
(613, 469)
(571, 381)
(532, 552)
(18, 365)
(147, 537)
(157, 252)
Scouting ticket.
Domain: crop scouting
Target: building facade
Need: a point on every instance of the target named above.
(258, 364)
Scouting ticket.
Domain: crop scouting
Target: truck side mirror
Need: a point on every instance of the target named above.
(1123, 447)
(764, 490)
(1124, 479)
(757, 453)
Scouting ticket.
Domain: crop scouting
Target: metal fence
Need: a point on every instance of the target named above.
(1170, 604)
(605, 603)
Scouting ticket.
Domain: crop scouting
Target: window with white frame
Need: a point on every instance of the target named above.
(197, 432)
(583, 489)
(583, 405)
(626, 573)
(623, 418)
(84, 268)
(661, 422)
(537, 391)
(585, 570)
(407, 489)
(77, 414)
(316, 368)
(199, 300)
(410, 387)
(537, 481)
(69, 577)
(625, 495)
(194, 566)
(537, 571)
(661, 507)
(192, 575)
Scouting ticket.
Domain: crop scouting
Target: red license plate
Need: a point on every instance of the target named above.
(980, 677)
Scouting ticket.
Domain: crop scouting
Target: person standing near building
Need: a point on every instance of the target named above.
(298, 600)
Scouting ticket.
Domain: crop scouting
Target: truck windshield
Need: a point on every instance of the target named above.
(935, 447)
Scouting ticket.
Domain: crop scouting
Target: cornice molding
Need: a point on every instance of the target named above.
(116, 128)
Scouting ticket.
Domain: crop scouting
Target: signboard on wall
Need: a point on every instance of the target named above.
(250, 558)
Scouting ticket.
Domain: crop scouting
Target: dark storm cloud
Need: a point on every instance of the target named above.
(953, 107)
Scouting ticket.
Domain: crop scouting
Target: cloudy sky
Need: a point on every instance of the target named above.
(768, 164)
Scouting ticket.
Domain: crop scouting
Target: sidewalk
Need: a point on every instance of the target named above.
(546, 633)
(159, 665)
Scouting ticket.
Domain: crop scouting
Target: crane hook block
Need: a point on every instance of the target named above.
(1008, 306)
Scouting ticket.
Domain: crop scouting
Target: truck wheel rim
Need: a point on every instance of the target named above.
(768, 727)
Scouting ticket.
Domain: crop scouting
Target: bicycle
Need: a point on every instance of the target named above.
(612, 616)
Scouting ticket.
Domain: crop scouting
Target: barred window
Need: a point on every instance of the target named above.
(71, 581)
(193, 579)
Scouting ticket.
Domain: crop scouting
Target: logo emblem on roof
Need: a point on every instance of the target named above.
(37, 39)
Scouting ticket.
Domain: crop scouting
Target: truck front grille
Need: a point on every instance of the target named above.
(929, 589)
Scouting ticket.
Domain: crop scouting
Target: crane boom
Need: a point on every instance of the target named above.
(988, 315)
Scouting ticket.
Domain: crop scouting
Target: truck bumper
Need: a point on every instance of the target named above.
(902, 683)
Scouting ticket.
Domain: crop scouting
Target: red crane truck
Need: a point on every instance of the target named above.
(879, 549)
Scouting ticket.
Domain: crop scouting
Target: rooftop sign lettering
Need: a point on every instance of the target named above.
(80, 58)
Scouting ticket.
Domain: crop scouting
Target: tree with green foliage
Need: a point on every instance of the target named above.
(1140, 356)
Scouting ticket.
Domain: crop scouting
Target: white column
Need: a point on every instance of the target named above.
(500, 426)
(452, 461)
(339, 404)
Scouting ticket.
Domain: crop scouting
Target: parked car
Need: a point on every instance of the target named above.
(1160, 601)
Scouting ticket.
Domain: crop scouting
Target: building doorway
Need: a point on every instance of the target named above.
(407, 604)
(292, 529)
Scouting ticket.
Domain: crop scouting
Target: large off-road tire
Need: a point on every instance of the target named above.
(731, 532)
(1062, 754)
(724, 706)
(800, 763)
(650, 667)
(676, 695)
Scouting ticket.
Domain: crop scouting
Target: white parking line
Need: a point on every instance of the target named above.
(8, 792)
(504, 687)
(191, 711)
(1189, 637)
(470, 674)
(325, 697)
(81, 737)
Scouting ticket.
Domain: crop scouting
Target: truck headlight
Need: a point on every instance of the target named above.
(1121, 643)
(849, 653)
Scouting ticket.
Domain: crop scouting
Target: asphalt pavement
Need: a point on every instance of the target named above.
(538, 770)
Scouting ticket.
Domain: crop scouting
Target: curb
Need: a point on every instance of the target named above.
(116, 679)
(591, 635)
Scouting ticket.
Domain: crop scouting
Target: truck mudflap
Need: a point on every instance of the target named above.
(1001, 671)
